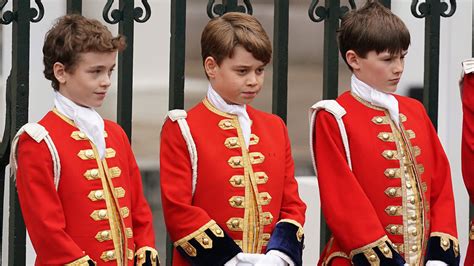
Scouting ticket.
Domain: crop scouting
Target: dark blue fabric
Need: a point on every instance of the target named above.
(284, 239)
(396, 260)
(435, 252)
(223, 249)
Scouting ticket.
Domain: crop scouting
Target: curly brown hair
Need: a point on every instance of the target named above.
(72, 35)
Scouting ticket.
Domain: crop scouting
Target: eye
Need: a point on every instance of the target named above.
(110, 72)
(260, 70)
(242, 71)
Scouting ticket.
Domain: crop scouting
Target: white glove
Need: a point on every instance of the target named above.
(260, 260)
(233, 261)
(248, 259)
(436, 263)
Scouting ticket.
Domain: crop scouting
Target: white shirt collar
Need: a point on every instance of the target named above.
(86, 119)
(376, 97)
(239, 110)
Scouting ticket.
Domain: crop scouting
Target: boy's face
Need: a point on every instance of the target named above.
(380, 71)
(87, 83)
(237, 80)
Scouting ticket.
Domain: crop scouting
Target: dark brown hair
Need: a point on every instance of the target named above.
(372, 28)
(221, 35)
(72, 35)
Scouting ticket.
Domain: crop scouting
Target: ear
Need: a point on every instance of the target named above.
(59, 71)
(210, 66)
(353, 59)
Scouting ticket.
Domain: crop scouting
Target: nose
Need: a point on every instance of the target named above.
(252, 79)
(106, 81)
(399, 65)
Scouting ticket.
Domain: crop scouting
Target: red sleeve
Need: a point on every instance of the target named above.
(181, 217)
(188, 224)
(467, 148)
(344, 203)
(142, 218)
(41, 206)
(292, 207)
(442, 209)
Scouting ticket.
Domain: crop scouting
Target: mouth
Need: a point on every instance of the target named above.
(395, 80)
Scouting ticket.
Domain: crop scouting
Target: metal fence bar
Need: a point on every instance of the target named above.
(19, 78)
(280, 58)
(177, 54)
(432, 11)
(330, 13)
(74, 7)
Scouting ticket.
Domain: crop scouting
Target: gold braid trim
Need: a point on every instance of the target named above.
(444, 241)
(195, 233)
(374, 244)
(141, 256)
(83, 261)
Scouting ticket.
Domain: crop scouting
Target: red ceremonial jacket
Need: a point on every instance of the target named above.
(398, 195)
(241, 194)
(99, 210)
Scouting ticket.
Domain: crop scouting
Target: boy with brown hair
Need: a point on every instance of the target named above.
(384, 179)
(227, 175)
(79, 186)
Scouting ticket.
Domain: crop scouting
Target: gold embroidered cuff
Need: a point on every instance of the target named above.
(300, 232)
(445, 243)
(141, 256)
(83, 261)
(368, 251)
(201, 237)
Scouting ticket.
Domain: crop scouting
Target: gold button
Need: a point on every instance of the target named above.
(102, 214)
(414, 232)
(379, 120)
(236, 161)
(456, 248)
(472, 228)
(393, 210)
(94, 173)
(233, 142)
(391, 173)
(82, 135)
(392, 192)
(413, 217)
(390, 154)
(235, 223)
(141, 256)
(444, 242)
(98, 194)
(89, 154)
(110, 255)
(414, 248)
(385, 136)
(238, 180)
(205, 241)
(218, 231)
(372, 258)
(227, 124)
(386, 250)
(408, 184)
(393, 229)
(238, 201)
(189, 249)
(412, 200)
(104, 234)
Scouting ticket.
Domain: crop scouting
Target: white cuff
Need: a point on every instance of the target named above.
(436, 263)
(283, 256)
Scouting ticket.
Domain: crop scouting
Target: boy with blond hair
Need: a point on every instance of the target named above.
(227, 176)
(384, 179)
(79, 185)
